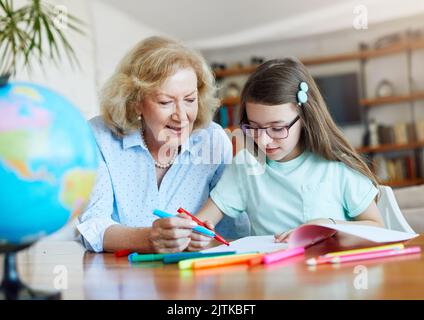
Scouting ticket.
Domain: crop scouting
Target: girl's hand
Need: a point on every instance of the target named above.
(285, 236)
(200, 241)
(169, 235)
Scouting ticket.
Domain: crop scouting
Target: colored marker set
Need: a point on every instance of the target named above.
(200, 260)
(173, 257)
(251, 259)
(385, 251)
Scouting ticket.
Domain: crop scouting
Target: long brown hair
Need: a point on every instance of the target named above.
(277, 82)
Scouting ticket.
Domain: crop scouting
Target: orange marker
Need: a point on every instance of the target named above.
(218, 237)
(255, 261)
(223, 261)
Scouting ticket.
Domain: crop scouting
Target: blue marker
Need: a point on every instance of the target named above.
(200, 229)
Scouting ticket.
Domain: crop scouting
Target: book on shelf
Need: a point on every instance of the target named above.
(223, 116)
(391, 169)
(380, 168)
(228, 116)
(386, 134)
(419, 130)
(411, 132)
(401, 133)
(419, 163)
(411, 171)
(399, 168)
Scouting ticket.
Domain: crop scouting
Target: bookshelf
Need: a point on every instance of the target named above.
(392, 99)
(391, 147)
(366, 103)
(404, 182)
(362, 55)
(358, 55)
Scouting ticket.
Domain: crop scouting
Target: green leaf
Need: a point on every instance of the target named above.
(23, 32)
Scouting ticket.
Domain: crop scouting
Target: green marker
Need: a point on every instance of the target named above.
(135, 257)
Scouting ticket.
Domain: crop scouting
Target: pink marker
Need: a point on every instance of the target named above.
(375, 255)
(324, 259)
(282, 254)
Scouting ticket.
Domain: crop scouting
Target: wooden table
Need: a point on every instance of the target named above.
(103, 276)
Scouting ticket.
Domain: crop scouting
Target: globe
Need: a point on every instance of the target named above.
(48, 162)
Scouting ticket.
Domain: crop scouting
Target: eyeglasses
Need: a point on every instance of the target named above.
(280, 132)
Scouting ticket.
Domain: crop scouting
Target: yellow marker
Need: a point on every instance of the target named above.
(363, 250)
(188, 263)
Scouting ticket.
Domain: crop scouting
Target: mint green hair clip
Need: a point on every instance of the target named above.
(302, 97)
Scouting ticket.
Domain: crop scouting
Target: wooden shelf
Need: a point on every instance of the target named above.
(221, 73)
(391, 147)
(392, 99)
(232, 127)
(343, 57)
(403, 183)
(231, 101)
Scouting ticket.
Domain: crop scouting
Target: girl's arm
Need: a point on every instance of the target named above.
(371, 216)
(210, 214)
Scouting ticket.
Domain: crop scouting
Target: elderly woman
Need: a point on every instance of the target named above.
(158, 149)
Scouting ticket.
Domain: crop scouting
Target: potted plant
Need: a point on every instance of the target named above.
(32, 33)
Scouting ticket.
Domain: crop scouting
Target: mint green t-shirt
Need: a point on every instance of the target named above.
(279, 196)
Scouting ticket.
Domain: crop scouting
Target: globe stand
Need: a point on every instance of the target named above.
(4, 79)
(12, 288)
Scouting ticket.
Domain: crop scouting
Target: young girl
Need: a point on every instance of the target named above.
(312, 174)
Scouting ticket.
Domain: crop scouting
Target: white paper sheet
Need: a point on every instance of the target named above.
(371, 233)
(261, 244)
(264, 244)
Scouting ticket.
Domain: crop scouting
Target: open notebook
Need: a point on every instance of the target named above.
(308, 235)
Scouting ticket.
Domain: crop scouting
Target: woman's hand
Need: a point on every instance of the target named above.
(200, 241)
(169, 235)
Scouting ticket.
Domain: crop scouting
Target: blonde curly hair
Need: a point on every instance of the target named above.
(144, 69)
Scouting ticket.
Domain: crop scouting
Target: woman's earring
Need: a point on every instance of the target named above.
(140, 119)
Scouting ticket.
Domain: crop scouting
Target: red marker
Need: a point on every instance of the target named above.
(122, 253)
(218, 237)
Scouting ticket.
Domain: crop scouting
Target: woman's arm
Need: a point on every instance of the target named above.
(166, 236)
(119, 237)
(371, 216)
